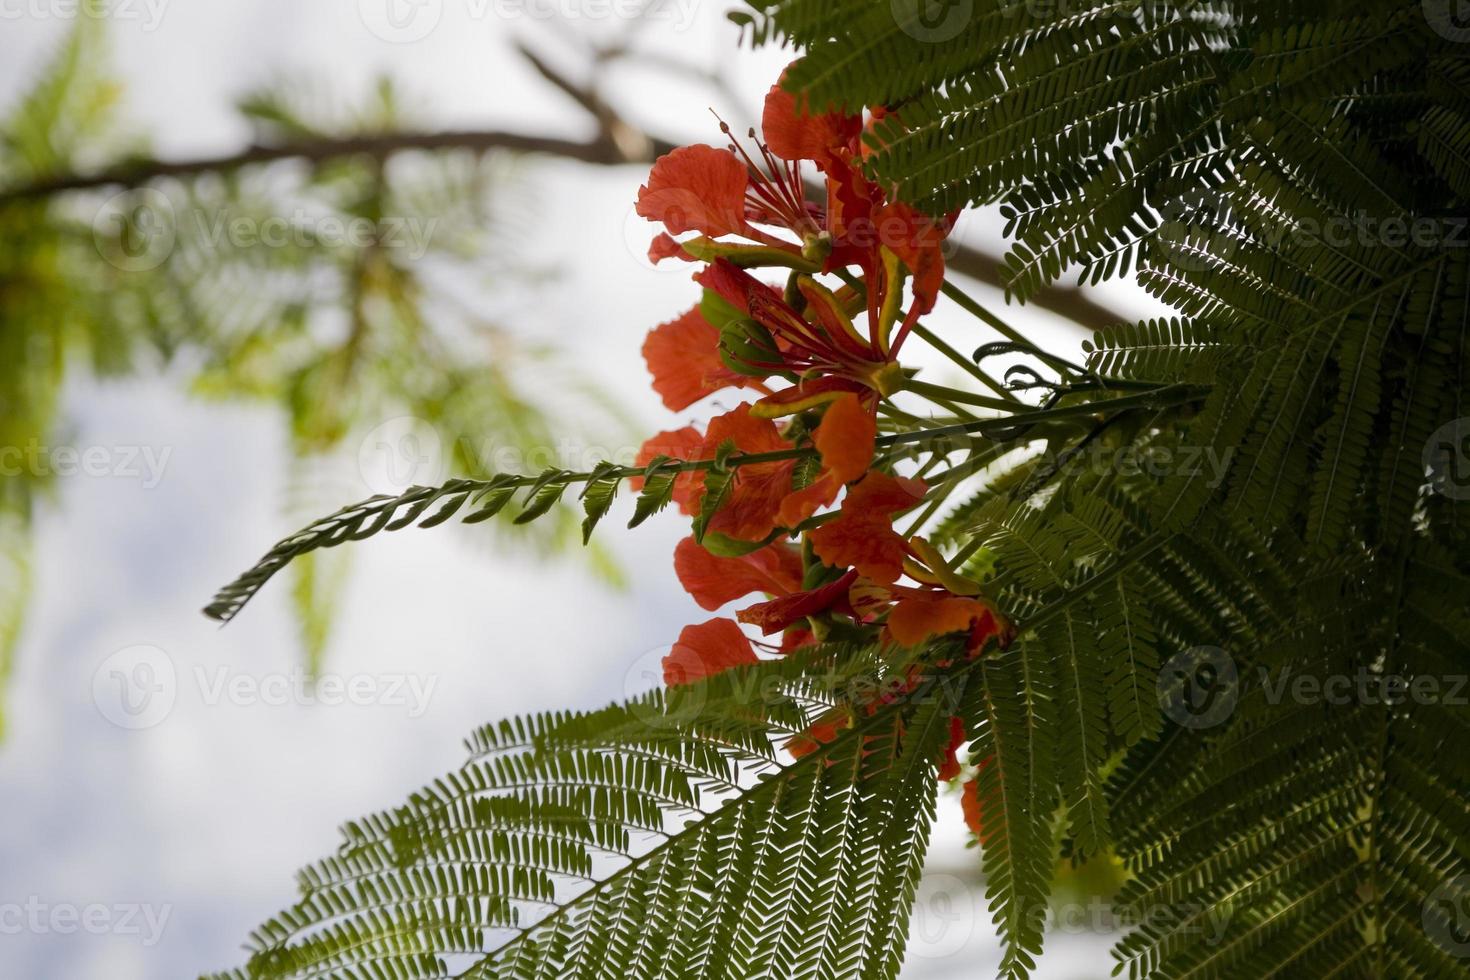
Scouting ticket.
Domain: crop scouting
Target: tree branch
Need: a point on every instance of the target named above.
(608, 149)
(136, 173)
(1075, 304)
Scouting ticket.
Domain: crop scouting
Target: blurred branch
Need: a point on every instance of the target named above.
(617, 142)
(380, 146)
(1075, 304)
(634, 145)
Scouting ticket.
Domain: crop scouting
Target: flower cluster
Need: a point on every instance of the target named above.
(820, 354)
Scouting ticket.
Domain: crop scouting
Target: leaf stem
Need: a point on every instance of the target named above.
(973, 307)
(488, 497)
(963, 397)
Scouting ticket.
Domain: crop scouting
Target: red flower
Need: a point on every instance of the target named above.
(714, 581)
(697, 188)
(755, 491)
(683, 355)
(787, 610)
(719, 192)
(730, 192)
(845, 439)
(920, 614)
(705, 650)
(862, 536)
(860, 221)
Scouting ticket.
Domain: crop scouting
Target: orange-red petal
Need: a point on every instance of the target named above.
(970, 799)
(795, 134)
(696, 188)
(821, 732)
(862, 536)
(705, 650)
(685, 443)
(753, 504)
(683, 355)
(845, 439)
(777, 614)
(811, 498)
(916, 618)
(713, 581)
(664, 246)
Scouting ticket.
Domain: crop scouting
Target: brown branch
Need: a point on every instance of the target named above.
(634, 144)
(378, 146)
(606, 150)
(1075, 304)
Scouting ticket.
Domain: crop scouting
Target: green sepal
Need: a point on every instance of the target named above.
(724, 546)
(718, 311)
(748, 256)
(746, 347)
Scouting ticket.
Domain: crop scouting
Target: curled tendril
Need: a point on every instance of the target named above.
(1024, 377)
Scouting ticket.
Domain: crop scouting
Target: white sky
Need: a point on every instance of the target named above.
(205, 816)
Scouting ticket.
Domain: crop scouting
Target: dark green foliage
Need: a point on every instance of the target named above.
(1293, 178)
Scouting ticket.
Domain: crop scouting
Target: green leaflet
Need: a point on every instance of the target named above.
(629, 840)
(657, 492)
(598, 497)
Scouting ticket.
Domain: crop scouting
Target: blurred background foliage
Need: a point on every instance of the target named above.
(341, 331)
